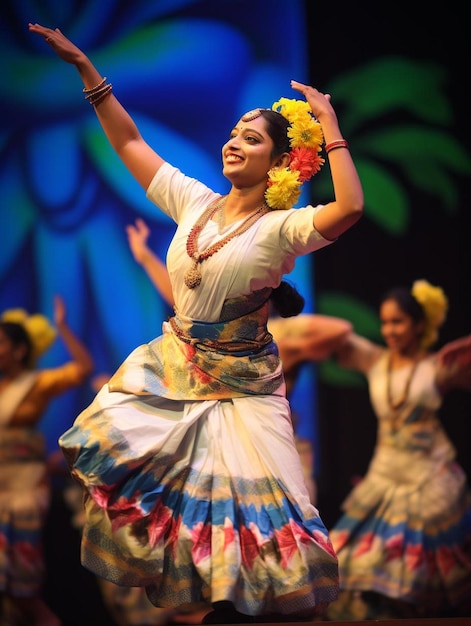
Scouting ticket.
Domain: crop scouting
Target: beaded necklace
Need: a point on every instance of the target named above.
(193, 276)
(398, 404)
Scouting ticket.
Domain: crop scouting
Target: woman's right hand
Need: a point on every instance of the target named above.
(121, 131)
(62, 46)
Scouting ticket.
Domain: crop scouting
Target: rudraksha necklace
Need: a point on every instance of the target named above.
(193, 275)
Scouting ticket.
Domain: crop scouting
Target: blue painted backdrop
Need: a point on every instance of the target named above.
(186, 71)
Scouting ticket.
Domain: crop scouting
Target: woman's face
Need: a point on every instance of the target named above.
(400, 332)
(247, 155)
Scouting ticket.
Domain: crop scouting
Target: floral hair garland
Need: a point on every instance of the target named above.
(39, 329)
(435, 305)
(306, 139)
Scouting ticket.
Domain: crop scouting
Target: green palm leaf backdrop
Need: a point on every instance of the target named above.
(397, 84)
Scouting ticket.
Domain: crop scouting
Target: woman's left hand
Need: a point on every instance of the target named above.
(318, 101)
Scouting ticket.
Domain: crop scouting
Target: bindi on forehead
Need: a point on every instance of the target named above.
(257, 128)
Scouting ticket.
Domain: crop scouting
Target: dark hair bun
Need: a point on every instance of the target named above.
(287, 300)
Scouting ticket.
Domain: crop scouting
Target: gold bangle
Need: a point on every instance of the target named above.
(97, 98)
(97, 91)
(92, 89)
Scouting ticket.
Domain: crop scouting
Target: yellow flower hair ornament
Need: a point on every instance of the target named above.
(435, 305)
(40, 331)
(306, 139)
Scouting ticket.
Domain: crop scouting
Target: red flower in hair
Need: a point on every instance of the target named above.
(306, 161)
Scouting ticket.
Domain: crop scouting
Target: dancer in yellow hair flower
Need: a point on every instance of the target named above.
(404, 540)
(193, 485)
(25, 393)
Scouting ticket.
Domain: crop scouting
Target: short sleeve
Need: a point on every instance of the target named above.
(175, 193)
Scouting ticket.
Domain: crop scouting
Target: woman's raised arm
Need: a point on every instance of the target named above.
(347, 208)
(124, 136)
